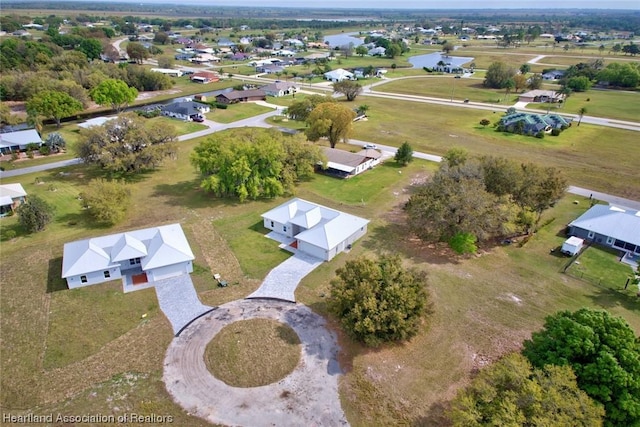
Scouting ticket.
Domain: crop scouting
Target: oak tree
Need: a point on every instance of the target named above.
(35, 214)
(604, 353)
(348, 88)
(331, 120)
(127, 144)
(378, 301)
(105, 201)
(115, 93)
(54, 105)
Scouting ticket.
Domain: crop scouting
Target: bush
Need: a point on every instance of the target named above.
(540, 135)
(555, 132)
(15, 155)
(378, 300)
(221, 105)
(10, 234)
(44, 150)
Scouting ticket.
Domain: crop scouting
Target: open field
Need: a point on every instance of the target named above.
(516, 286)
(593, 156)
(236, 112)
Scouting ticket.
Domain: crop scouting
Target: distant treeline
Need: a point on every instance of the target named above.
(318, 18)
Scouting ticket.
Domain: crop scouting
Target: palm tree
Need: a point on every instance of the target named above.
(566, 91)
(581, 112)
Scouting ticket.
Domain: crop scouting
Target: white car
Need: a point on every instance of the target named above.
(370, 146)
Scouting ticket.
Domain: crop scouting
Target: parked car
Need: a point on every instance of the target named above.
(370, 146)
(198, 119)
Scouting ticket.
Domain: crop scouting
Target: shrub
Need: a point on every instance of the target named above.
(44, 150)
(540, 135)
(555, 132)
(10, 234)
(15, 155)
(221, 105)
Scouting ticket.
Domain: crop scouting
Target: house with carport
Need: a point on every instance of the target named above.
(236, 96)
(314, 229)
(185, 110)
(138, 257)
(345, 164)
(278, 89)
(11, 196)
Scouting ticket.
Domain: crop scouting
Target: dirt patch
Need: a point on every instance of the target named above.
(149, 95)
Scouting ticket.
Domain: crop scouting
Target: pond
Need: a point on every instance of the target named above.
(344, 40)
(431, 60)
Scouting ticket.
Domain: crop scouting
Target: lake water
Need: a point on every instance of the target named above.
(431, 60)
(343, 39)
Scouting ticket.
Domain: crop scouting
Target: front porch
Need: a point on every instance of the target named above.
(287, 243)
(135, 279)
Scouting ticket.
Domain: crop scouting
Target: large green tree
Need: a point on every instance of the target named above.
(127, 144)
(254, 163)
(92, 48)
(114, 92)
(498, 75)
(300, 110)
(106, 201)
(513, 393)
(378, 300)
(54, 105)
(604, 354)
(348, 88)
(137, 52)
(404, 154)
(35, 214)
(331, 120)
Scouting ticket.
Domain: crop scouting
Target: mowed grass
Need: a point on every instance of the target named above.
(446, 87)
(602, 267)
(253, 353)
(591, 156)
(620, 105)
(237, 112)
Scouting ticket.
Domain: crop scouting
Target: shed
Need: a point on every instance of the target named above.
(572, 245)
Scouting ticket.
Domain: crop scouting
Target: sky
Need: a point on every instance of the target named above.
(420, 4)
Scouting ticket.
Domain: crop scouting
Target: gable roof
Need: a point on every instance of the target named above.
(611, 221)
(241, 94)
(324, 227)
(278, 86)
(343, 160)
(156, 247)
(21, 137)
(12, 191)
(338, 74)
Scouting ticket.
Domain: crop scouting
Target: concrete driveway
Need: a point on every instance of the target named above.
(306, 397)
(282, 281)
(179, 302)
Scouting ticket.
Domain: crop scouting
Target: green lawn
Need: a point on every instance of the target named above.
(237, 112)
(602, 267)
(621, 105)
(447, 87)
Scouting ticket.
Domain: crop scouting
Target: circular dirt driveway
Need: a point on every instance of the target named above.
(306, 397)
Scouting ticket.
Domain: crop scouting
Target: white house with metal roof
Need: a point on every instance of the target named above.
(11, 196)
(315, 229)
(139, 257)
(609, 226)
(19, 140)
(339, 75)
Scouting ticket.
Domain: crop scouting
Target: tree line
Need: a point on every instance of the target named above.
(475, 200)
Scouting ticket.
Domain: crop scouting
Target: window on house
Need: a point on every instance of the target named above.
(609, 240)
(134, 261)
(83, 279)
(271, 224)
(107, 274)
(591, 235)
(284, 228)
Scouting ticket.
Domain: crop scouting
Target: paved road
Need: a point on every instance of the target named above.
(40, 168)
(614, 200)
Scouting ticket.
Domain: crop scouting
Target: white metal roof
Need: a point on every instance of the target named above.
(12, 190)
(155, 246)
(21, 137)
(325, 227)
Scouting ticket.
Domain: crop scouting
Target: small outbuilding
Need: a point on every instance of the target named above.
(572, 246)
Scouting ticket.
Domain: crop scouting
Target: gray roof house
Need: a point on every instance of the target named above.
(185, 110)
(241, 96)
(344, 164)
(609, 226)
(138, 257)
(279, 89)
(314, 229)
(19, 140)
(531, 124)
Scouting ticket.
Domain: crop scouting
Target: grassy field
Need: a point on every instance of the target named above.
(591, 156)
(253, 353)
(237, 112)
(97, 350)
